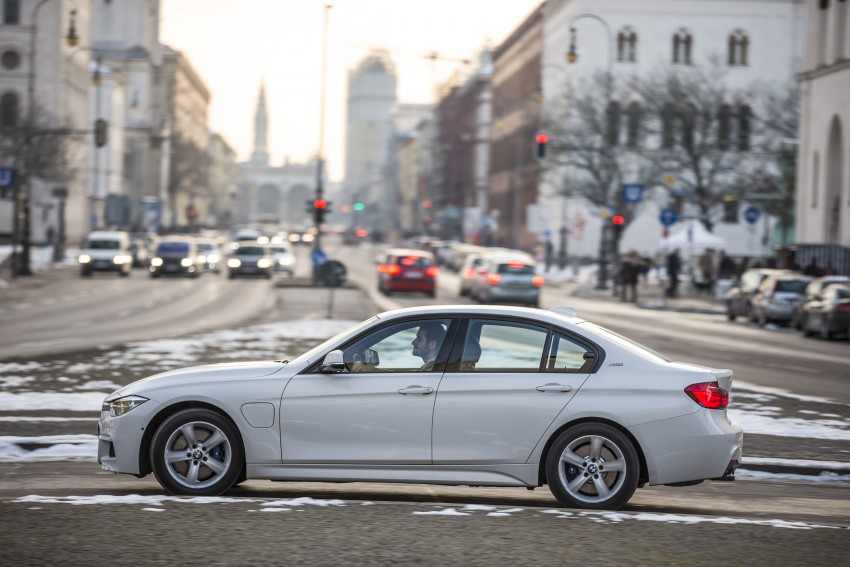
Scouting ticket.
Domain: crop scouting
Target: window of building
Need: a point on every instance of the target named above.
(613, 125)
(634, 125)
(724, 126)
(12, 12)
(9, 110)
(744, 118)
(682, 46)
(739, 45)
(10, 59)
(627, 45)
(688, 118)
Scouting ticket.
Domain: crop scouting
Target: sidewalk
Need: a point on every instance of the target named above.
(650, 294)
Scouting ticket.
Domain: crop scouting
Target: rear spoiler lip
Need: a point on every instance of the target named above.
(724, 378)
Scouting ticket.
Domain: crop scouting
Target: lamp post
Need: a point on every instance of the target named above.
(317, 244)
(572, 57)
(23, 263)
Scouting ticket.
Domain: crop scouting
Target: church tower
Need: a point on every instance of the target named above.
(260, 156)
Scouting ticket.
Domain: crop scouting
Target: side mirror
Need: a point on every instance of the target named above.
(332, 363)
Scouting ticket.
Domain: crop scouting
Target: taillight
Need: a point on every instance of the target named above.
(842, 307)
(493, 279)
(393, 270)
(470, 274)
(537, 281)
(432, 272)
(709, 395)
(382, 268)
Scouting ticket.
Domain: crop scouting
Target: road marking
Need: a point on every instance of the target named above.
(123, 313)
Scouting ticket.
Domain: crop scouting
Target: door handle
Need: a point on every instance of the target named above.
(421, 390)
(552, 387)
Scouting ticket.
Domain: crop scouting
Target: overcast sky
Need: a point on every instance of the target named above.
(236, 44)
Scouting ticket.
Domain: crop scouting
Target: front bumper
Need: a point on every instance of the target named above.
(120, 438)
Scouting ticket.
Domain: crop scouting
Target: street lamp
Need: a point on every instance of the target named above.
(320, 158)
(23, 264)
(572, 57)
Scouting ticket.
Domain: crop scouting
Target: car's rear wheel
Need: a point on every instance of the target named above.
(197, 452)
(592, 465)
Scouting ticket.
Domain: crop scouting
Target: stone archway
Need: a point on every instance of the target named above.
(296, 214)
(269, 201)
(832, 188)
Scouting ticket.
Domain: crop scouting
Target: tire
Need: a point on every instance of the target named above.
(614, 449)
(188, 473)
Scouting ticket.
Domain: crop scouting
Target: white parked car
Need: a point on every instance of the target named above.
(461, 395)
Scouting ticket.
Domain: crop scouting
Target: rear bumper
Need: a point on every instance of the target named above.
(410, 285)
(688, 448)
(519, 295)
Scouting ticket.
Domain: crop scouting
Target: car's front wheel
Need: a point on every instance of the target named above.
(592, 465)
(196, 452)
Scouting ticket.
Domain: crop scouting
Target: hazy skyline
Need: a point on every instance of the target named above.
(236, 45)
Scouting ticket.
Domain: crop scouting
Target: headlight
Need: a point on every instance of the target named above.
(186, 262)
(285, 261)
(84, 258)
(121, 406)
(202, 259)
(307, 238)
(122, 260)
(234, 263)
(212, 258)
(156, 262)
(264, 263)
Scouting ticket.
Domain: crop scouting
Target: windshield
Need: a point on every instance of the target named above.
(251, 251)
(172, 248)
(102, 245)
(203, 246)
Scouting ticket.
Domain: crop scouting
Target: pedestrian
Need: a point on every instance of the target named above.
(706, 275)
(630, 269)
(728, 269)
(674, 264)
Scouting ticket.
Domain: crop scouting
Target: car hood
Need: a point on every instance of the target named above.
(206, 373)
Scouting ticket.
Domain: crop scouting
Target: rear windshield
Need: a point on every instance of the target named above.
(842, 293)
(251, 251)
(792, 286)
(516, 269)
(280, 249)
(102, 244)
(412, 261)
(173, 248)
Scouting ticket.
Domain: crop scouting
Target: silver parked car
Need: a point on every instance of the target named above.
(457, 395)
(776, 296)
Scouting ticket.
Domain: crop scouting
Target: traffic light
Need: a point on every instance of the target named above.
(358, 206)
(100, 132)
(617, 224)
(321, 207)
(542, 139)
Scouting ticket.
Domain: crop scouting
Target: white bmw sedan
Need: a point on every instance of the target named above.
(461, 395)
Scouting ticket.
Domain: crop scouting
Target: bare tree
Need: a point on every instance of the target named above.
(699, 132)
(592, 151)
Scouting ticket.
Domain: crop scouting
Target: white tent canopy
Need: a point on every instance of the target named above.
(692, 237)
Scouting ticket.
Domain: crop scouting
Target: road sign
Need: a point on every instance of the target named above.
(751, 214)
(667, 217)
(632, 192)
(318, 257)
(7, 181)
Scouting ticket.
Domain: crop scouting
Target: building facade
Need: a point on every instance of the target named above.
(823, 167)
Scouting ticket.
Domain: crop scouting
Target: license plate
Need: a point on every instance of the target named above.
(171, 268)
(413, 275)
(249, 270)
(100, 264)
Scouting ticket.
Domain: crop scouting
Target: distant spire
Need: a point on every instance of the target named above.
(261, 136)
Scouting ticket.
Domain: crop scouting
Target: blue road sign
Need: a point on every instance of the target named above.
(751, 214)
(667, 217)
(632, 192)
(318, 257)
(7, 180)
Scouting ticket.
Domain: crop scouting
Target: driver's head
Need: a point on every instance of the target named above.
(428, 339)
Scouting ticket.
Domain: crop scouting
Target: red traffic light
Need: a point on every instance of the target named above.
(542, 137)
(320, 203)
(618, 219)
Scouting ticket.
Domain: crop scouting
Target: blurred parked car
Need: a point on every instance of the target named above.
(284, 259)
(775, 298)
(508, 279)
(813, 292)
(739, 296)
(210, 255)
(176, 255)
(251, 260)
(106, 251)
(828, 313)
(407, 269)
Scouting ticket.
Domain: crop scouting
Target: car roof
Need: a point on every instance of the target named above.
(558, 315)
